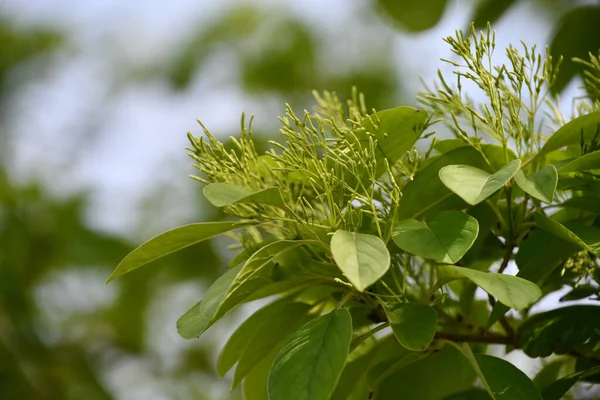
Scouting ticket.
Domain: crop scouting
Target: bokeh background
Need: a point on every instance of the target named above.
(96, 98)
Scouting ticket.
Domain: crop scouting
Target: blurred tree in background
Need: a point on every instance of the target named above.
(62, 334)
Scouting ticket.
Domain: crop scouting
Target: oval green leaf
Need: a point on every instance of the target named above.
(474, 185)
(540, 185)
(224, 194)
(362, 258)
(414, 324)
(515, 292)
(312, 359)
(172, 241)
(427, 195)
(583, 163)
(445, 238)
(506, 381)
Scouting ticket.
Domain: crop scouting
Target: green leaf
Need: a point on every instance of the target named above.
(490, 11)
(513, 291)
(200, 317)
(172, 241)
(506, 381)
(361, 257)
(560, 330)
(586, 203)
(586, 127)
(439, 375)
(559, 230)
(474, 185)
(536, 265)
(590, 235)
(540, 185)
(577, 35)
(265, 324)
(466, 351)
(446, 145)
(396, 132)
(352, 384)
(255, 384)
(271, 334)
(445, 237)
(259, 274)
(556, 390)
(583, 163)
(581, 292)
(471, 394)
(549, 373)
(312, 360)
(224, 194)
(427, 195)
(414, 324)
(414, 15)
(384, 369)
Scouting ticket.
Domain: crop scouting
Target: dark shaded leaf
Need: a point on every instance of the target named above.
(414, 15)
(577, 35)
(559, 331)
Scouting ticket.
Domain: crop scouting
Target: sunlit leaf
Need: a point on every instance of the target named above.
(586, 127)
(445, 237)
(361, 257)
(259, 274)
(200, 317)
(172, 241)
(311, 361)
(585, 162)
(474, 185)
(540, 185)
(513, 291)
(224, 194)
(427, 195)
(414, 324)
